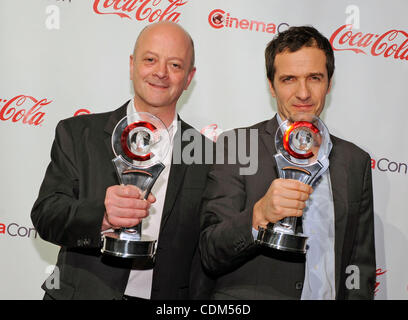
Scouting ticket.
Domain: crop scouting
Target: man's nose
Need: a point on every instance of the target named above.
(303, 91)
(161, 70)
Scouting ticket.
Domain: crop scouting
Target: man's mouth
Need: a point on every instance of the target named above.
(158, 85)
(303, 106)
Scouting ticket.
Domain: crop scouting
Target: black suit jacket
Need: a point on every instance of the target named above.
(70, 209)
(245, 270)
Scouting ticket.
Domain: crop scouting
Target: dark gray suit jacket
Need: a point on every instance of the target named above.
(247, 271)
(70, 208)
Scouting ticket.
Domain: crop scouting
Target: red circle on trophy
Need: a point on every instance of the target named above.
(299, 136)
(141, 137)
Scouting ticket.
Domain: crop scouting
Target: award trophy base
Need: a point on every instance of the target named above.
(282, 240)
(115, 244)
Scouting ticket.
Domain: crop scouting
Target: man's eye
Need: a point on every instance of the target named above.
(176, 65)
(149, 59)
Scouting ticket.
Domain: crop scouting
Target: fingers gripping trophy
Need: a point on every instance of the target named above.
(302, 154)
(140, 143)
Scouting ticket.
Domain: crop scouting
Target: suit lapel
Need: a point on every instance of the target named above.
(267, 170)
(176, 175)
(268, 136)
(338, 177)
(114, 118)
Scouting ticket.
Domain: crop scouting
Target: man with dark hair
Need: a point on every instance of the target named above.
(80, 196)
(336, 212)
(293, 41)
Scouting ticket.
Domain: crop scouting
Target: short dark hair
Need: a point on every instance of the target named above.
(293, 40)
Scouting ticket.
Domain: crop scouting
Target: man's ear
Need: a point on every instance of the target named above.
(330, 86)
(190, 77)
(131, 67)
(271, 88)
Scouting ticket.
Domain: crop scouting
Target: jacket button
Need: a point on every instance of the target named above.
(299, 285)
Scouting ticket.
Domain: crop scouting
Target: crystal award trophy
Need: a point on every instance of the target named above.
(140, 143)
(302, 154)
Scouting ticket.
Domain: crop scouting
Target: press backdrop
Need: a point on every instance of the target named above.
(62, 58)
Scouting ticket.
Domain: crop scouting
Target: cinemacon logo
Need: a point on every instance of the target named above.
(392, 43)
(218, 19)
(15, 230)
(387, 165)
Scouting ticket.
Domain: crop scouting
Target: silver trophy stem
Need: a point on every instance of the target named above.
(282, 235)
(130, 242)
(134, 232)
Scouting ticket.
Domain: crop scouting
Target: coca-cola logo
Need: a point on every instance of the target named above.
(218, 19)
(150, 10)
(393, 43)
(378, 273)
(24, 109)
(81, 111)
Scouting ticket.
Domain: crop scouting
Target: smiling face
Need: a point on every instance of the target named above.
(300, 83)
(161, 67)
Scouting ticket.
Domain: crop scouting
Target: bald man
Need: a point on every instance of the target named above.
(80, 197)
